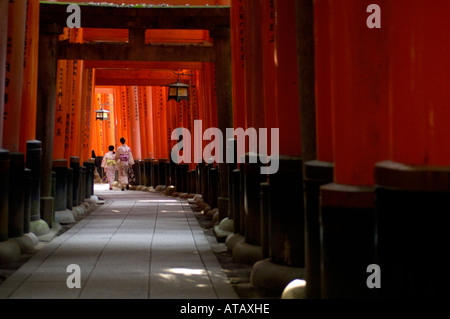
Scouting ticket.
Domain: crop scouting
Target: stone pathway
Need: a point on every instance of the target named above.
(137, 245)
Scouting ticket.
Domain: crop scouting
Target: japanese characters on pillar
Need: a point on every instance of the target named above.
(111, 137)
(88, 89)
(156, 126)
(29, 91)
(149, 121)
(17, 13)
(61, 112)
(142, 121)
(134, 122)
(124, 114)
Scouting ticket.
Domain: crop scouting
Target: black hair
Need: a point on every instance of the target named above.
(111, 147)
(122, 140)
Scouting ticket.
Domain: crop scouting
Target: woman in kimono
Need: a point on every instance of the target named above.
(109, 164)
(125, 160)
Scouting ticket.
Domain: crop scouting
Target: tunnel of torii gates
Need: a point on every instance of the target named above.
(363, 118)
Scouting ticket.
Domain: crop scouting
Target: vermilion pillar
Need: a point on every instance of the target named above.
(29, 90)
(285, 220)
(268, 65)
(14, 74)
(161, 121)
(359, 116)
(95, 133)
(87, 107)
(318, 171)
(110, 125)
(3, 46)
(254, 99)
(46, 96)
(124, 111)
(76, 117)
(287, 79)
(413, 190)
(62, 108)
(142, 121)
(156, 124)
(237, 47)
(149, 121)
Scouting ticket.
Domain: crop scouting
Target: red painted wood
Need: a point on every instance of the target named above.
(323, 81)
(288, 107)
(359, 85)
(419, 77)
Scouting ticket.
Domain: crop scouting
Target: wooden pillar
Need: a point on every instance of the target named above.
(62, 115)
(313, 35)
(286, 219)
(117, 116)
(238, 62)
(412, 193)
(29, 92)
(46, 105)
(124, 124)
(162, 109)
(156, 92)
(14, 74)
(110, 125)
(149, 122)
(3, 46)
(287, 79)
(86, 113)
(358, 78)
(222, 51)
(74, 129)
(142, 121)
(268, 65)
(304, 17)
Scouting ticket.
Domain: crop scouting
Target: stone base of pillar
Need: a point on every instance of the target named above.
(295, 290)
(223, 230)
(64, 216)
(9, 252)
(232, 240)
(51, 233)
(39, 227)
(47, 210)
(79, 210)
(274, 277)
(247, 254)
(27, 242)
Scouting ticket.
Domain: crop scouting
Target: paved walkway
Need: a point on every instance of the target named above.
(137, 245)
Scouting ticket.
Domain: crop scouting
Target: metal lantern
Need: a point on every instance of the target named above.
(101, 114)
(178, 91)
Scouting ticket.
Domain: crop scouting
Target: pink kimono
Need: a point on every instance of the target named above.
(109, 164)
(125, 160)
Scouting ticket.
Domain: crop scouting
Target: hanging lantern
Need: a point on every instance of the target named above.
(101, 114)
(178, 91)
